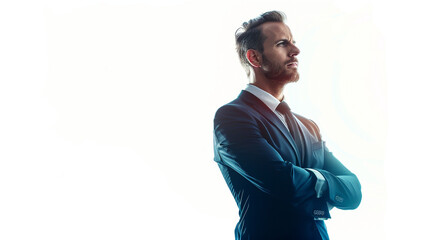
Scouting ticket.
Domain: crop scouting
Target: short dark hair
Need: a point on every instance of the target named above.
(249, 35)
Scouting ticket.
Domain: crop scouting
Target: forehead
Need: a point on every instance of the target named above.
(274, 31)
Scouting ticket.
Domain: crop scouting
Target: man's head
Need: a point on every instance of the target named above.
(265, 45)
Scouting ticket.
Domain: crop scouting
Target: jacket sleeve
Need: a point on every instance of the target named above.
(239, 144)
(344, 189)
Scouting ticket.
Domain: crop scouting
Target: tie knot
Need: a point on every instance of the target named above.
(283, 108)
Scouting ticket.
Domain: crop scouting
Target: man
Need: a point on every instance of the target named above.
(279, 171)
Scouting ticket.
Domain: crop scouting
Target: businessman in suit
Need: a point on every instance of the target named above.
(275, 163)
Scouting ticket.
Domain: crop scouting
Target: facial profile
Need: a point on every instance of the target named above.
(278, 59)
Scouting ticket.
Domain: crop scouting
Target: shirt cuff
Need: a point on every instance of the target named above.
(320, 186)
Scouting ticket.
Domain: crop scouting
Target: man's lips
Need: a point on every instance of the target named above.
(292, 64)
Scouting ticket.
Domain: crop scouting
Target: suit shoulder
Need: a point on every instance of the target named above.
(310, 125)
(235, 107)
(306, 121)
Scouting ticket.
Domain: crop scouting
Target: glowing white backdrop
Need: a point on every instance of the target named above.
(107, 107)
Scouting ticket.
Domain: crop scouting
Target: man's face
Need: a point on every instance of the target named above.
(279, 57)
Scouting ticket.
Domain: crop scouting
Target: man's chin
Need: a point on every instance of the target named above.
(291, 78)
(285, 78)
(296, 78)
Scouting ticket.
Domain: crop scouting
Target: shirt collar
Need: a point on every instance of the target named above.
(264, 96)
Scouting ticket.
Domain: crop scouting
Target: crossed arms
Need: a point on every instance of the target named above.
(242, 144)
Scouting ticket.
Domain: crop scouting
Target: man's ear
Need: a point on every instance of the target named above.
(254, 58)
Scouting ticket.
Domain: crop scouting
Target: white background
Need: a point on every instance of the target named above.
(107, 107)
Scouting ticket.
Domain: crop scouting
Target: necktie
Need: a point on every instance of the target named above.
(293, 127)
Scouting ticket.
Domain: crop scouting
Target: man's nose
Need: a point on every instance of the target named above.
(293, 51)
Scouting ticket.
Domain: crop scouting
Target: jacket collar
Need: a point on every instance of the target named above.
(265, 111)
(264, 96)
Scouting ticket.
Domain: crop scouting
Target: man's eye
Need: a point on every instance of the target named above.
(285, 43)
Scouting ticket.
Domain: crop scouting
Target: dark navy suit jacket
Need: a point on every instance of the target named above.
(267, 177)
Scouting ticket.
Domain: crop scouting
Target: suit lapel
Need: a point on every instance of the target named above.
(308, 139)
(263, 109)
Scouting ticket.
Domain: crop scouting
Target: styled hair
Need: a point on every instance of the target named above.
(249, 35)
